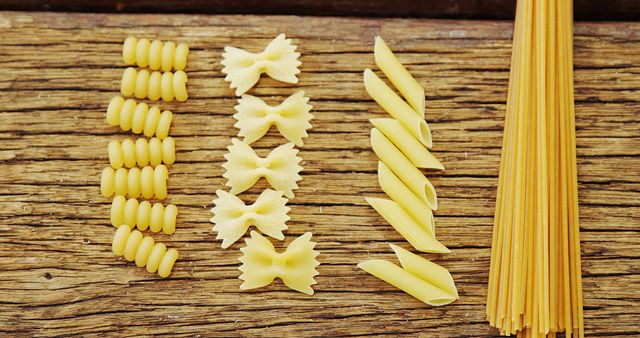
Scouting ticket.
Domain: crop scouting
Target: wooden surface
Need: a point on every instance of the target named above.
(59, 277)
(616, 10)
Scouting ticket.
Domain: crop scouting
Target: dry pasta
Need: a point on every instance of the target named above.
(232, 217)
(403, 168)
(142, 152)
(399, 76)
(419, 236)
(143, 215)
(291, 117)
(155, 54)
(148, 182)
(296, 266)
(144, 251)
(244, 168)
(418, 154)
(279, 60)
(139, 118)
(419, 277)
(154, 85)
(397, 108)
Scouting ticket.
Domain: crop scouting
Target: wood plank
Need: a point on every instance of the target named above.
(59, 276)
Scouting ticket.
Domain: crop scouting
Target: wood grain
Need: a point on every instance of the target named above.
(59, 277)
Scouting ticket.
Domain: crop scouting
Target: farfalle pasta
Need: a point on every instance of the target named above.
(144, 251)
(296, 266)
(143, 215)
(154, 85)
(155, 54)
(279, 60)
(138, 117)
(232, 217)
(291, 118)
(148, 182)
(244, 168)
(141, 152)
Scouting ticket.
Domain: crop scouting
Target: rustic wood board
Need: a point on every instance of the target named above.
(59, 277)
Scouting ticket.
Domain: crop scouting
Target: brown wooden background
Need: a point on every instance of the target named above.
(59, 277)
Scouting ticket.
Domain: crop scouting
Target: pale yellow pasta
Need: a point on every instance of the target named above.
(244, 168)
(143, 215)
(232, 217)
(154, 85)
(291, 118)
(155, 55)
(142, 152)
(279, 60)
(148, 182)
(296, 266)
(406, 84)
(401, 194)
(397, 107)
(422, 279)
(419, 236)
(144, 251)
(139, 118)
(417, 153)
(403, 168)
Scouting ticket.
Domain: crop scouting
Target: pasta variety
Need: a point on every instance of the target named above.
(139, 118)
(144, 251)
(244, 168)
(419, 277)
(143, 215)
(401, 166)
(406, 84)
(155, 54)
(148, 182)
(419, 236)
(296, 266)
(291, 118)
(154, 85)
(142, 152)
(279, 60)
(232, 217)
(397, 107)
(535, 279)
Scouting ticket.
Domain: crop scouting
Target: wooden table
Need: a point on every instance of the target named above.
(59, 277)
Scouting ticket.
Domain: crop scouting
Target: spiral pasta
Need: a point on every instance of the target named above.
(143, 215)
(155, 54)
(154, 85)
(148, 182)
(144, 251)
(142, 152)
(138, 117)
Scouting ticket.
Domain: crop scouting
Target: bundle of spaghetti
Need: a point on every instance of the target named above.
(535, 283)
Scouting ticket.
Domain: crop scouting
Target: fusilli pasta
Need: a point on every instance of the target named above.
(155, 54)
(143, 215)
(138, 117)
(148, 182)
(154, 85)
(144, 251)
(142, 152)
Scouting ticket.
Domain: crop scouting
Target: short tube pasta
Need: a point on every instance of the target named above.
(142, 152)
(417, 153)
(399, 76)
(417, 235)
(144, 251)
(148, 182)
(155, 54)
(397, 107)
(143, 215)
(139, 118)
(403, 168)
(154, 85)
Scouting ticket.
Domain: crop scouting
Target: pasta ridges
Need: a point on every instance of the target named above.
(144, 251)
(142, 152)
(155, 55)
(156, 217)
(139, 117)
(154, 85)
(148, 182)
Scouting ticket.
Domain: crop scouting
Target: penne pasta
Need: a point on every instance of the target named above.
(426, 270)
(418, 154)
(397, 107)
(401, 194)
(402, 167)
(418, 236)
(399, 76)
